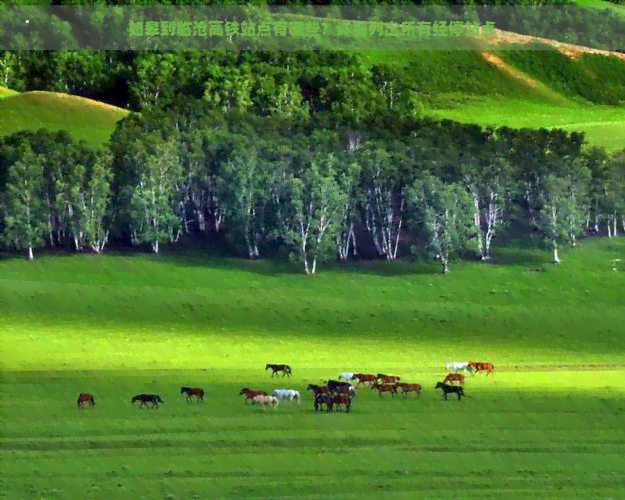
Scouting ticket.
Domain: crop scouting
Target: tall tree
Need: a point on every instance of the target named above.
(25, 223)
(318, 205)
(444, 212)
(94, 200)
(246, 195)
(151, 207)
(562, 215)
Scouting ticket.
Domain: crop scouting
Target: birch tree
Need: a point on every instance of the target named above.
(246, 195)
(562, 215)
(25, 223)
(318, 204)
(94, 202)
(444, 212)
(382, 200)
(153, 217)
(346, 238)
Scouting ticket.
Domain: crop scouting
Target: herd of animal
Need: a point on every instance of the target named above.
(334, 393)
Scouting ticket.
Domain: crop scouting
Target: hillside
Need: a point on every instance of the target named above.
(85, 119)
(4, 92)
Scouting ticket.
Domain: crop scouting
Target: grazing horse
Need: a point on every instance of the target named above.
(288, 394)
(85, 397)
(406, 388)
(457, 366)
(456, 389)
(251, 393)
(364, 378)
(343, 400)
(392, 388)
(387, 379)
(454, 377)
(318, 389)
(336, 386)
(265, 401)
(155, 399)
(482, 367)
(323, 399)
(285, 369)
(346, 376)
(193, 391)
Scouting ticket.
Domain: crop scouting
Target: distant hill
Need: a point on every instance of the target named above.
(83, 118)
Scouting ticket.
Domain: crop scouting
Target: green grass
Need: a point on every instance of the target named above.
(118, 325)
(5, 92)
(84, 119)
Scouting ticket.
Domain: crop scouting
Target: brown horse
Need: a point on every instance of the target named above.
(406, 388)
(392, 388)
(388, 379)
(193, 391)
(285, 369)
(482, 367)
(343, 399)
(85, 397)
(364, 378)
(251, 393)
(454, 377)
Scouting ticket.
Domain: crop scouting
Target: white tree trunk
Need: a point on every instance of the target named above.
(556, 259)
(478, 223)
(155, 246)
(30, 253)
(314, 265)
(615, 220)
(609, 227)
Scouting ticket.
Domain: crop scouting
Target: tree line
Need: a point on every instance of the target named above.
(305, 190)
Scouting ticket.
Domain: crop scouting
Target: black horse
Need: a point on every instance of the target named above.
(324, 399)
(285, 369)
(456, 389)
(155, 399)
(193, 391)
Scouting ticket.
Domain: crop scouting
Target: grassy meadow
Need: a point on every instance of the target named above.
(547, 424)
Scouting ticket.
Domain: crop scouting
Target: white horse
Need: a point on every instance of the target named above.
(288, 394)
(457, 366)
(265, 401)
(346, 376)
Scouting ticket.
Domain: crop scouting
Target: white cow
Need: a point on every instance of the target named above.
(346, 376)
(287, 394)
(457, 366)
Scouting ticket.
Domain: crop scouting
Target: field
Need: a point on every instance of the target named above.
(547, 424)
(85, 119)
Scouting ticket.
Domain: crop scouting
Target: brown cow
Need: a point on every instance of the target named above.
(482, 367)
(388, 379)
(364, 378)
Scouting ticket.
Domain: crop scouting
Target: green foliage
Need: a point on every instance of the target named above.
(24, 221)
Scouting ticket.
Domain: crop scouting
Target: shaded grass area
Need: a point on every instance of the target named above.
(84, 119)
(522, 434)
(5, 92)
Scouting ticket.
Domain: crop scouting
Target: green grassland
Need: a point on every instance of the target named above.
(547, 424)
(85, 119)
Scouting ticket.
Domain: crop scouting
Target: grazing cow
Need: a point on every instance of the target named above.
(251, 393)
(364, 378)
(288, 394)
(406, 388)
(454, 377)
(318, 389)
(266, 401)
(457, 366)
(482, 367)
(343, 400)
(446, 388)
(155, 399)
(346, 376)
(275, 369)
(85, 397)
(387, 379)
(392, 388)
